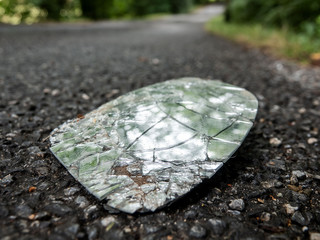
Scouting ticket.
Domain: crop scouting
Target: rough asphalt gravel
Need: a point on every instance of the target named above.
(50, 73)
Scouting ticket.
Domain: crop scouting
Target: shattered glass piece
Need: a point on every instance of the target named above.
(153, 145)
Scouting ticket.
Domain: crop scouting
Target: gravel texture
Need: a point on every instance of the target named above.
(51, 73)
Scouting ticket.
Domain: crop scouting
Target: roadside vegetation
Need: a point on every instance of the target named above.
(32, 11)
(280, 42)
(286, 28)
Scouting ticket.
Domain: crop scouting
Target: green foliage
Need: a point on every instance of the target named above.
(201, 1)
(311, 28)
(121, 8)
(96, 9)
(31, 11)
(71, 11)
(16, 11)
(279, 42)
(243, 10)
(52, 7)
(145, 7)
(181, 6)
(299, 15)
(105, 9)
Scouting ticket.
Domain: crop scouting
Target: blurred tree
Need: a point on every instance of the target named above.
(121, 8)
(30, 11)
(181, 6)
(243, 10)
(227, 11)
(201, 2)
(144, 7)
(293, 13)
(299, 15)
(17, 11)
(71, 10)
(52, 7)
(97, 9)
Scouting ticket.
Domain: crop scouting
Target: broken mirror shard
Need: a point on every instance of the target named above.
(153, 145)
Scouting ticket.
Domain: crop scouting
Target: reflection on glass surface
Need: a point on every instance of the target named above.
(150, 146)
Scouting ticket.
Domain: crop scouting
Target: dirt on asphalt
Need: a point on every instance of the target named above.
(50, 73)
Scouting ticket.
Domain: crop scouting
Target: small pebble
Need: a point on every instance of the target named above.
(46, 90)
(314, 236)
(92, 232)
(312, 140)
(11, 135)
(277, 164)
(234, 212)
(290, 209)
(70, 230)
(299, 174)
(55, 92)
(299, 197)
(267, 184)
(190, 214)
(34, 150)
(40, 216)
(85, 96)
(293, 180)
(108, 220)
(315, 131)
(237, 204)
(70, 191)
(127, 229)
(6, 180)
(299, 218)
(198, 231)
(82, 201)
(151, 228)
(289, 151)
(275, 142)
(35, 224)
(301, 145)
(89, 211)
(265, 217)
(302, 110)
(217, 226)
(23, 211)
(316, 102)
(271, 183)
(181, 225)
(155, 61)
(58, 209)
(305, 229)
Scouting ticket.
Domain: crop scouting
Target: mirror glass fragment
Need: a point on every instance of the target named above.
(151, 146)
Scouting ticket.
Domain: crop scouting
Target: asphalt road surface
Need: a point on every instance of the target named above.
(50, 73)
